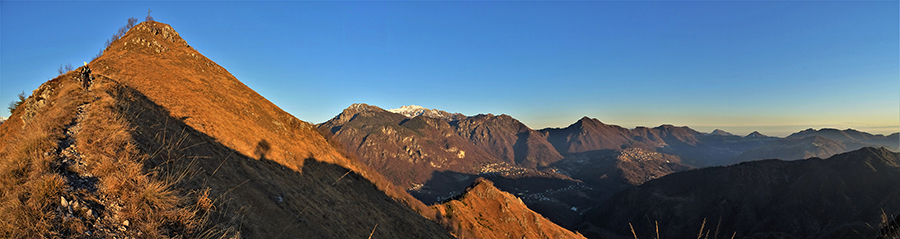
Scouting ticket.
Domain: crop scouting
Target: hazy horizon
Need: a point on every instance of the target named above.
(772, 67)
(768, 130)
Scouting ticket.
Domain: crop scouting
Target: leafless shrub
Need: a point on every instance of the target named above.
(64, 69)
(148, 18)
(15, 104)
(121, 32)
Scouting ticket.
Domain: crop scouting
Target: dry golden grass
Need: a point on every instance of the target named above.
(29, 189)
(484, 211)
(179, 148)
(32, 184)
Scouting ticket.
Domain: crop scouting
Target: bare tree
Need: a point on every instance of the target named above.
(149, 18)
(64, 69)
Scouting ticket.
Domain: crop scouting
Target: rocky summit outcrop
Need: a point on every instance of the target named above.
(843, 196)
(166, 143)
(484, 211)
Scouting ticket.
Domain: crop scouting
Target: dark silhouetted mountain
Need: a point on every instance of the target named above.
(840, 197)
(611, 171)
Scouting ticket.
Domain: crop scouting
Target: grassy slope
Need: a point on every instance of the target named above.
(486, 212)
(180, 147)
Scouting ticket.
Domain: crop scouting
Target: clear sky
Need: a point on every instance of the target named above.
(773, 66)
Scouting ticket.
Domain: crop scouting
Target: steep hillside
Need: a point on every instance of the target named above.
(437, 159)
(589, 134)
(840, 197)
(486, 212)
(406, 150)
(612, 171)
(168, 143)
(508, 139)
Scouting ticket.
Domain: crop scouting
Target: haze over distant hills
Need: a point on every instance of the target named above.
(158, 141)
(558, 172)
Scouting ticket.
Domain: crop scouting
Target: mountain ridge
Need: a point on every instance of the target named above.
(839, 197)
(159, 145)
(488, 212)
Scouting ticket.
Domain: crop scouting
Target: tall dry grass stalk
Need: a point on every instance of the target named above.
(632, 231)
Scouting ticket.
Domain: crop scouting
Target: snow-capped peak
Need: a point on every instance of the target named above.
(411, 111)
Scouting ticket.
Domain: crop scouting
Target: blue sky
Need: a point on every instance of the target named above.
(773, 66)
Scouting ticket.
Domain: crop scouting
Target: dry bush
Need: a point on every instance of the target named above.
(65, 69)
(15, 104)
(121, 32)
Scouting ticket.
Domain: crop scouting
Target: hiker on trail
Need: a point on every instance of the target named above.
(86, 77)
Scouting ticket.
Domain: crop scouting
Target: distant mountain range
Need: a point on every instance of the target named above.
(436, 154)
(165, 143)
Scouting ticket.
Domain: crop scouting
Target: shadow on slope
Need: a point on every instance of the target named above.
(554, 198)
(258, 197)
(839, 197)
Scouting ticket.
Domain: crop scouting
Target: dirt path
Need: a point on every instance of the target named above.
(81, 201)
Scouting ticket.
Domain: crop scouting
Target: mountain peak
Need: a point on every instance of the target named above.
(487, 212)
(588, 121)
(151, 38)
(411, 111)
(720, 132)
(756, 134)
(356, 107)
